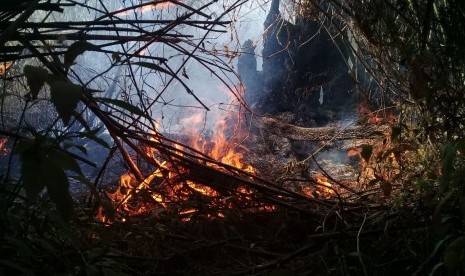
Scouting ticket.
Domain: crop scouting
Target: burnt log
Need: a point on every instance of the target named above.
(282, 129)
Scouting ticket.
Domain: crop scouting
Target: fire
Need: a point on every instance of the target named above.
(147, 8)
(381, 162)
(166, 188)
(3, 149)
(324, 189)
(5, 66)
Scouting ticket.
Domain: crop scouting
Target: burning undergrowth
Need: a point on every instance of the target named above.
(245, 210)
(206, 176)
(230, 170)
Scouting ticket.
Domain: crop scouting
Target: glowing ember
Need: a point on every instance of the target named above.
(354, 152)
(3, 149)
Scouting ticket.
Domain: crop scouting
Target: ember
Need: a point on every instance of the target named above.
(3, 149)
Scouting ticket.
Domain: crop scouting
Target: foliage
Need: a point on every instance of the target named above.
(42, 82)
(413, 52)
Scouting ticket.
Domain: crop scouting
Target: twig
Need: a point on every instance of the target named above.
(358, 245)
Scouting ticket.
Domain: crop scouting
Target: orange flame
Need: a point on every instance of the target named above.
(5, 66)
(3, 149)
(165, 185)
(323, 190)
(326, 186)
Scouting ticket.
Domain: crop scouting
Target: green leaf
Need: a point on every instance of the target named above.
(65, 96)
(125, 105)
(367, 150)
(36, 78)
(153, 66)
(76, 49)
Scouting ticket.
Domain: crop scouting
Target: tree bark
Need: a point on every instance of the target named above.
(282, 129)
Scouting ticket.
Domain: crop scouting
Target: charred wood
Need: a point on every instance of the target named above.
(282, 129)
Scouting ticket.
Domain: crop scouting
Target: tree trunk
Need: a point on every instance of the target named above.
(282, 129)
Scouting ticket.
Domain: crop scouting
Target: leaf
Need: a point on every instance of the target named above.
(184, 73)
(65, 96)
(125, 105)
(43, 167)
(96, 139)
(31, 169)
(367, 150)
(153, 66)
(86, 182)
(67, 145)
(76, 49)
(64, 160)
(58, 190)
(115, 57)
(36, 77)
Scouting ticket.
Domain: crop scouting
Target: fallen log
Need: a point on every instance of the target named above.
(282, 129)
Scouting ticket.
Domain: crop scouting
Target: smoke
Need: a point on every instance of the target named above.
(174, 102)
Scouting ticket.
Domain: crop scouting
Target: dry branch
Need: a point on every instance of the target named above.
(282, 129)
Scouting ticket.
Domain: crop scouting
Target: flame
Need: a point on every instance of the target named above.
(326, 189)
(166, 185)
(383, 164)
(5, 66)
(323, 190)
(3, 149)
(146, 8)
